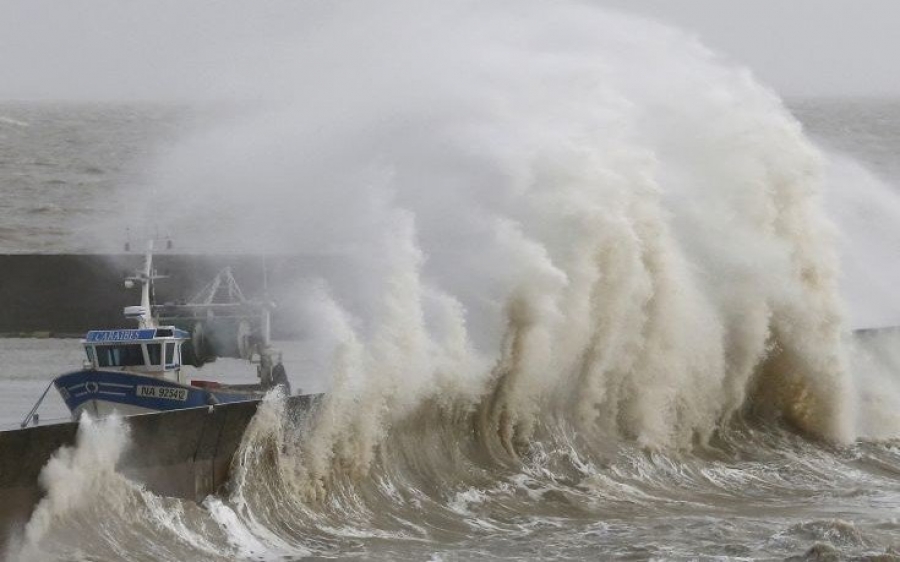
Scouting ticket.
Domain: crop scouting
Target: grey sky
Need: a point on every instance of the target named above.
(139, 49)
(800, 47)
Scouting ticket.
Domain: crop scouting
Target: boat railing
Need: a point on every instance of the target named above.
(31, 415)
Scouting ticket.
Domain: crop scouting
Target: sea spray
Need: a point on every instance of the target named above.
(74, 480)
(89, 509)
(875, 360)
(641, 250)
(867, 208)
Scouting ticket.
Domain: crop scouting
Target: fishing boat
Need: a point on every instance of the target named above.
(140, 370)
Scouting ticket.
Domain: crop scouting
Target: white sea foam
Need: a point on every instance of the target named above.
(73, 480)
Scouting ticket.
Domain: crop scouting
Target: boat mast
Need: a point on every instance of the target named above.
(143, 313)
(147, 276)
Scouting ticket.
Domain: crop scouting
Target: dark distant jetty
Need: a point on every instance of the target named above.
(64, 295)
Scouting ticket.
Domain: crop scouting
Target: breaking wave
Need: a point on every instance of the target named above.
(540, 215)
(586, 274)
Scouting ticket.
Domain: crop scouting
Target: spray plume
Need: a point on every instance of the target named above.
(545, 211)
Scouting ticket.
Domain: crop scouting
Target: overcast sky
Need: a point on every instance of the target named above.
(138, 48)
(800, 47)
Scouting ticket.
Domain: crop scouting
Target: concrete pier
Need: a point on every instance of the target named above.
(181, 453)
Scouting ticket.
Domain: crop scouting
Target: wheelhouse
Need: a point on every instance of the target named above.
(152, 351)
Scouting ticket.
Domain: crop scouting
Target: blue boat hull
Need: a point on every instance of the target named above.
(101, 393)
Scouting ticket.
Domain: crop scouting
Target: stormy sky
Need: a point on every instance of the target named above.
(102, 49)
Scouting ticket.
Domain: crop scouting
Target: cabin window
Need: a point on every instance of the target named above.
(128, 355)
(90, 354)
(154, 353)
(170, 353)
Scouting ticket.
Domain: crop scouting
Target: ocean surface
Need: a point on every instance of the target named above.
(620, 327)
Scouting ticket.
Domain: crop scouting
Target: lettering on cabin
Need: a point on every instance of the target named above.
(119, 335)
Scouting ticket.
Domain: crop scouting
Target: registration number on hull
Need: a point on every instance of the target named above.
(164, 392)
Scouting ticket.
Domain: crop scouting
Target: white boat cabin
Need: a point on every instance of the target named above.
(149, 351)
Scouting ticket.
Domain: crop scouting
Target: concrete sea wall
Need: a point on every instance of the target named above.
(182, 453)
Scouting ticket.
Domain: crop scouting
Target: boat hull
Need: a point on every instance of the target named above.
(102, 393)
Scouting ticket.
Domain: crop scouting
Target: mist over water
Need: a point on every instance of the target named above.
(588, 279)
